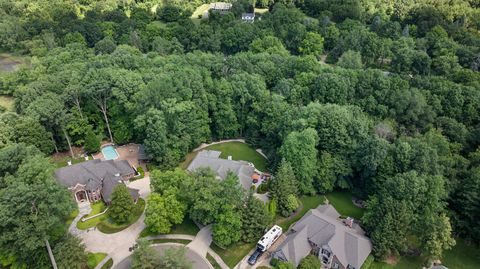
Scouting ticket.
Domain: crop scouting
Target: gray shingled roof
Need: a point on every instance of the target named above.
(322, 226)
(109, 183)
(294, 248)
(94, 170)
(211, 159)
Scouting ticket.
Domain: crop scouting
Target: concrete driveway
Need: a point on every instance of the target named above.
(202, 241)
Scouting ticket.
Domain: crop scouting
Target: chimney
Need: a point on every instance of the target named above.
(69, 163)
(348, 222)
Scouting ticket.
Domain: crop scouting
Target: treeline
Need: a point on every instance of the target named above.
(396, 120)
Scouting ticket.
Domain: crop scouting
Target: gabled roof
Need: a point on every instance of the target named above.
(211, 159)
(109, 184)
(294, 248)
(91, 173)
(324, 228)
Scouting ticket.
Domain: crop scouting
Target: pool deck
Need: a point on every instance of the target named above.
(127, 152)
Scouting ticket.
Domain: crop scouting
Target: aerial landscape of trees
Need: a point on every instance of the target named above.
(381, 98)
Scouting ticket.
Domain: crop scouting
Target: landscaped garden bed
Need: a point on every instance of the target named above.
(109, 227)
(186, 227)
(93, 259)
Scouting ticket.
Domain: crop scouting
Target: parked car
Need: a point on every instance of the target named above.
(253, 259)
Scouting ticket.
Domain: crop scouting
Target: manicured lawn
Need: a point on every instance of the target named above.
(261, 10)
(342, 201)
(238, 151)
(97, 207)
(166, 240)
(199, 11)
(308, 203)
(241, 151)
(234, 254)
(462, 256)
(95, 258)
(64, 161)
(6, 102)
(109, 227)
(186, 227)
(213, 262)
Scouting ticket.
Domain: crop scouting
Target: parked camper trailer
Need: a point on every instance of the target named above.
(269, 238)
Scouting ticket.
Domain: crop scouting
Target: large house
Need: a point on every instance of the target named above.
(94, 180)
(211, 159)
(338, 243)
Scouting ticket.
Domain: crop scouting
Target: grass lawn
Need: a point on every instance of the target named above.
(186, 227)
(95, 258)
(97, 207)
(72, 215)
(108, 264)
(403, 263)
(342, 201)
(166, 240)
(238, 151)
(6, 102)
(199, 11)
(462, 256)
(261, 10)
(234, 254)
(64, 161)
(308, 203)
(213, 262)
(109, 227)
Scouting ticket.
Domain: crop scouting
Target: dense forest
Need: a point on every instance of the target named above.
(380, 97)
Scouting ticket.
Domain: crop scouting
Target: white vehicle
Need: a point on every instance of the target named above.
(269, 238)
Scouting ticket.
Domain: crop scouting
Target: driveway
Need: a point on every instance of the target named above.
(116, 245)
(202, 241)
(198, 261)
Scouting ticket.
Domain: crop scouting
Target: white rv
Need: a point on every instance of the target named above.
(269, 238)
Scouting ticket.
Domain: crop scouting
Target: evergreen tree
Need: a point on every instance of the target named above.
(255, 218)
(283, 187)
(122, 205)
(92, 142)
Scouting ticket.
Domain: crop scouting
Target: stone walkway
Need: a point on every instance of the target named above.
(83, 209)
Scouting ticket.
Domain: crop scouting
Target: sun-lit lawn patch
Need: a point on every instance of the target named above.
(233, 254)
(261, 10)
(213, 262)
(95, 258)
(59, 163)
(342, 201)
(241, 151)
(97, 208)
(6, 103)
(199, 11)
(308, 202)
(238, 151)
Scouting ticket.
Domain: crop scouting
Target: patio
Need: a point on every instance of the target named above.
(130, 152)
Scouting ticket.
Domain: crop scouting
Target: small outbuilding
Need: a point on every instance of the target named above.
(248, 17)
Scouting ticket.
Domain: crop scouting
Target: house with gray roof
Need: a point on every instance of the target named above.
(248, 17)
(339, 244)
(94, 180)
(211, 159)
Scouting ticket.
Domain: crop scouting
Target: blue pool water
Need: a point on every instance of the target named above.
(109, 153)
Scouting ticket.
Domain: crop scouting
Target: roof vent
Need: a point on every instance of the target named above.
(117, 174)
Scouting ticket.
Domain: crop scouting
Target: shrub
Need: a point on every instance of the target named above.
(263, 188)
(253, 187)
(141, 173)
(92, 142)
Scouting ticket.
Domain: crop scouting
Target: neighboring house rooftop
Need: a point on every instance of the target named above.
(220, 6)
(323, 227)
(248, 17)
(211, 159)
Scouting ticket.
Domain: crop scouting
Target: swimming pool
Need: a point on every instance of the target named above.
(109, 153)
